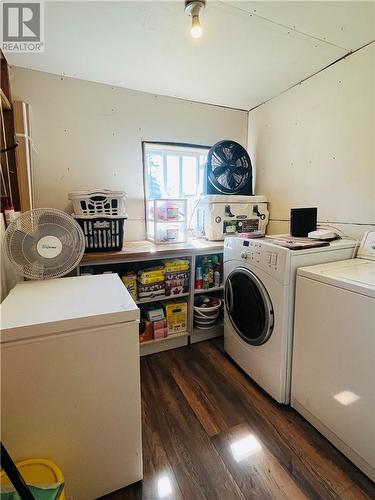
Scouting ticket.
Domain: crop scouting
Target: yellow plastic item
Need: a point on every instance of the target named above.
(37, 471)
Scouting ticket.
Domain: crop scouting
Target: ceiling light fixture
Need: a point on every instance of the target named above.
(194, 8)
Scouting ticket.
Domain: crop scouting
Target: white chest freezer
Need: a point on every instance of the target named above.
(70, 385)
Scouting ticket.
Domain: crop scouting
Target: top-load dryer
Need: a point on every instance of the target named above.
(334, 353)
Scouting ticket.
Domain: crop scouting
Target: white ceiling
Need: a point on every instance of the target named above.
(249, 52)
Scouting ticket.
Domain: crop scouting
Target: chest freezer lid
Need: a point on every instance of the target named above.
(38, 308)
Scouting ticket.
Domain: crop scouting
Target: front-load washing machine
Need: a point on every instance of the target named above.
(259, 305)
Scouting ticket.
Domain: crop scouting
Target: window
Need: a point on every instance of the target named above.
(174, 171)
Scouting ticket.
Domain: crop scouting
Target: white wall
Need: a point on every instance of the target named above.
(88, 135)
(314, 145)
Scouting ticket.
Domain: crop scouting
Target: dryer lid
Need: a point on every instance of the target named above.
(359, 271)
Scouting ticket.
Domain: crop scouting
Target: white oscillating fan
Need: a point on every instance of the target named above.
(44, 243)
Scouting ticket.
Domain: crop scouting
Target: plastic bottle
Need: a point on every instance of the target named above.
(210, 273)
(217, 277)
(216, 268)
(198, 278)
(205, 278)
(219, 268)
(206, 286)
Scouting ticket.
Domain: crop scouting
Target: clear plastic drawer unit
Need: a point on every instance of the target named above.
(167, 220)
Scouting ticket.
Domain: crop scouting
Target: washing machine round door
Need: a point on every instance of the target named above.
(249, 306)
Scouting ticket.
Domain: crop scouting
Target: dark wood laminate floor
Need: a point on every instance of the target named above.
(210, 433)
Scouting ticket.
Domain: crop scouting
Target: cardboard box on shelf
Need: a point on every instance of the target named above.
(176, 314)
(176, 265)
(148, 331)
(176, 282)
(150, 290)
(153, 312)
(152, 275)
(160, 329)
(130, 281)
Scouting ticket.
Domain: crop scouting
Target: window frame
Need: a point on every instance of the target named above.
(159, 146)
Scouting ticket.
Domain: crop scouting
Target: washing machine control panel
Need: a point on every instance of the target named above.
(255, 252)
(252, 252)
(259, 254)
(263, 256)
(271, 259)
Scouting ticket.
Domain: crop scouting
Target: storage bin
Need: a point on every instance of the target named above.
(41, 473)
(102, 234)
(206, 312)
(166, 232)
(166, 210)
(101, 202)
(167, 220)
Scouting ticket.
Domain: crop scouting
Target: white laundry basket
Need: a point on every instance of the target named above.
(101, 202)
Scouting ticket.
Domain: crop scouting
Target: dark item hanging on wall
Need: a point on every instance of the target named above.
(228, 170)
(9, 148)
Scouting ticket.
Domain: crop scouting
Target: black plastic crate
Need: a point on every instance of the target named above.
(103, 234)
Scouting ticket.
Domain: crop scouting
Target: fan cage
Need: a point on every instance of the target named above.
(228, 170)
(24, 233)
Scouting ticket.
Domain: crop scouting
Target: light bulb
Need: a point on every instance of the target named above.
(196, 28)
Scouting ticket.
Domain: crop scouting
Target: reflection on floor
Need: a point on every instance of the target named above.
(209, 432)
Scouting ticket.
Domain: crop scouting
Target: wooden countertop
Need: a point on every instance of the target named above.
(136, 250)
